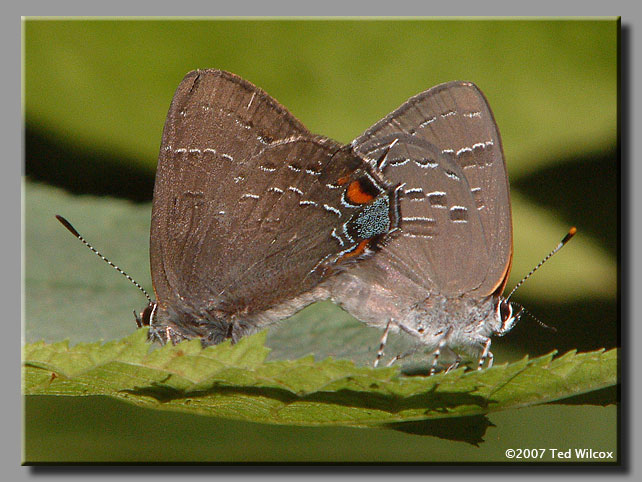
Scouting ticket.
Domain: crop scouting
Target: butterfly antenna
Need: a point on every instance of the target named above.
(566, 239)
(539, 322)
(73, 231)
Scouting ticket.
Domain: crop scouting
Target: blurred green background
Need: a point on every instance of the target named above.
(95, 98)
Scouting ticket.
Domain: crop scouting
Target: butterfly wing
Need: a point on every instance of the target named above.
(247, 208)
(456, 119)
(455, 233)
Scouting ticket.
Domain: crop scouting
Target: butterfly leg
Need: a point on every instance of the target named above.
(382, 343)
(172, 336)
(486, 354)
(398, 357)
(153, 336)
(455, 364)
(403, 355)
(442, 343)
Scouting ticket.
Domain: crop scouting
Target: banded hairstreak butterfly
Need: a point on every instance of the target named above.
(440, 277)
(251, 212)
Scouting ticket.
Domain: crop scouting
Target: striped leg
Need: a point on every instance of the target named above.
(486, 354)
(382, 344)
(400, 356)
(397, 357)
(442, 343)
(455, 365)
(172, 336)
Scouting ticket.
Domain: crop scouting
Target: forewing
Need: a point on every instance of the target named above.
(247, 203)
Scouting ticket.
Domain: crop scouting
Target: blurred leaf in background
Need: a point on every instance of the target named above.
(96, 93)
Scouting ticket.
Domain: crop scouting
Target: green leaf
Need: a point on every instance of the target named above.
(237, 382)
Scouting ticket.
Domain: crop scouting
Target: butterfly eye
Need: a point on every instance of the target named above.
(146, 315)
(505, 311)
(506, 317)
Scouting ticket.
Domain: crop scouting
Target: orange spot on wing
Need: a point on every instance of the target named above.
(342, 180)
(358, 251)
(357, 195)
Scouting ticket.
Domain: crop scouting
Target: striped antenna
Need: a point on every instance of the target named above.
(566, 239)
(73, 231)
(539, 322)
